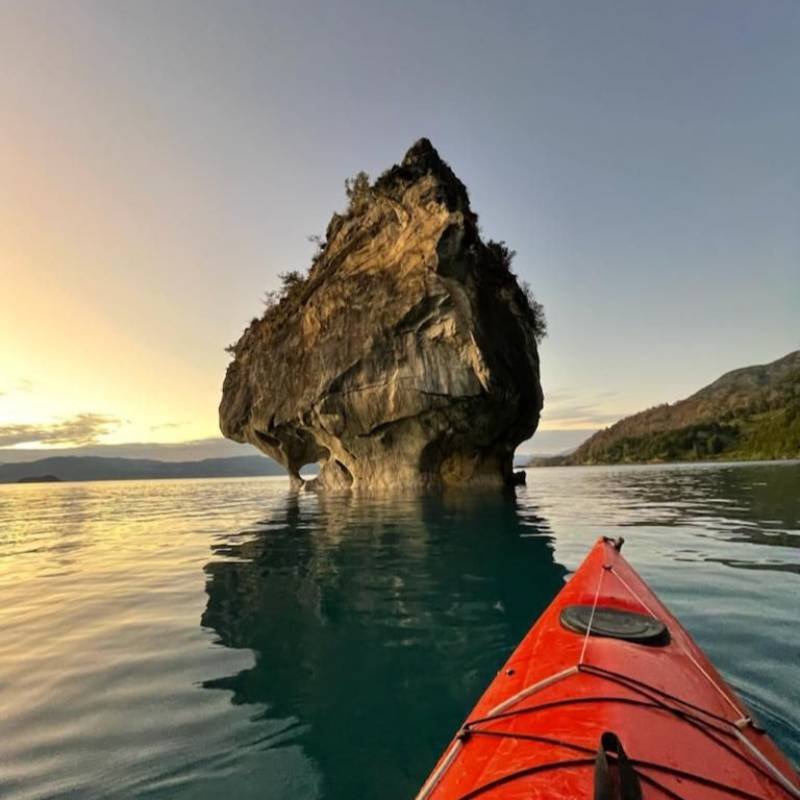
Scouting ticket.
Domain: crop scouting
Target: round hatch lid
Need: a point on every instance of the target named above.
(616, 624)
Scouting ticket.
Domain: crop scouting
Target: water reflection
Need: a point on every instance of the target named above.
(739, 504)
(376, 624)
(758, 504)
(741, 515)
(353, 637)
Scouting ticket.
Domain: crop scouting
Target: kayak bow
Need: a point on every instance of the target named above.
(607, 696)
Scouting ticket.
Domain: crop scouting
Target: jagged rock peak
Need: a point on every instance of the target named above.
(422, 153)
(406, 357)
(422, 159)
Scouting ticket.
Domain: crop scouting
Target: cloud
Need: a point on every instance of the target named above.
(163, 425)
(569, 396)
(550, 442)
(78, 430)
(565, 410)
(22, 385)
(587, 413)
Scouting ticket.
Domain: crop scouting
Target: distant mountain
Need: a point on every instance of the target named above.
(98, 468)
(750, 413)
(196, 450)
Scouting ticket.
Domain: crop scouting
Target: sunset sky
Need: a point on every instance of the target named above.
(162, 162)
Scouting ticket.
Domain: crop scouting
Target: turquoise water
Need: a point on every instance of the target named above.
(194, 639)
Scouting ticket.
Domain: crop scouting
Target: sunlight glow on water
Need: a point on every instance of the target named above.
(199, 638)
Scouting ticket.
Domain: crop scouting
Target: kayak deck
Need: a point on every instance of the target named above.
(536, 731)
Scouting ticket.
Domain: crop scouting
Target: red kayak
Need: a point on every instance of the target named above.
(608, 697)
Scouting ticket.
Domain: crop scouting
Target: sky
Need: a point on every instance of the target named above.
(162, 162)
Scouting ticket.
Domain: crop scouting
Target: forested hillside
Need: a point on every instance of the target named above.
(750, 413)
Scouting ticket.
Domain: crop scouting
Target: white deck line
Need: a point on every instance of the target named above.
(447, 761)
(436, 775)
(790, 787)
(528, 691)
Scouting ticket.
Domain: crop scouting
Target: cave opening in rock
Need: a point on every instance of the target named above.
(309, 470)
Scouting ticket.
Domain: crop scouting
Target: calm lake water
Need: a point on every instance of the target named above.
(198, 639)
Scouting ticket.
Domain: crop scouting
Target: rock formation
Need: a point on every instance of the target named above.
(405, 358)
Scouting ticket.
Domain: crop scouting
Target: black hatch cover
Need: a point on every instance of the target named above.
(616, 624)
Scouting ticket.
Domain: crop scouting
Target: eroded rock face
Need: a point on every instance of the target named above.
(407, 357)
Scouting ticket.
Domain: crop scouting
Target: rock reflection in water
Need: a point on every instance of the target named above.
(375, 624)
